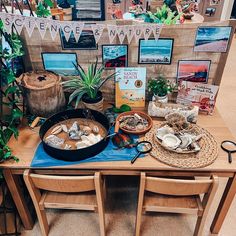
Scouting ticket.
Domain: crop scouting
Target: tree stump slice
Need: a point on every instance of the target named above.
(43, 93)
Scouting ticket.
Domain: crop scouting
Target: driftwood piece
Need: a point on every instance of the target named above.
(43, 92)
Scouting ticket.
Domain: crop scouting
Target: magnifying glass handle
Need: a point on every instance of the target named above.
(230, 157)
(135, 158)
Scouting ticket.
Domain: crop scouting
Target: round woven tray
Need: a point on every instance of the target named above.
(205, 157)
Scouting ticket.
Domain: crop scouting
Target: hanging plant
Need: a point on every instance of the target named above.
(10, 92)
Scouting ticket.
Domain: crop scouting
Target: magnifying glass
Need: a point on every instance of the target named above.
(142, 148)
(229, 147)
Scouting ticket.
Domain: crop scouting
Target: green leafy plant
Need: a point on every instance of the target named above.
(42, 9)
(88, 82)
(161, 86)
(10, 92)
(163, 15)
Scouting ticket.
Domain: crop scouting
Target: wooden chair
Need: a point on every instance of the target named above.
(58, 192)
(176, 196)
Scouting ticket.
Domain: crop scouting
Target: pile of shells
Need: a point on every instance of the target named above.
(179, 135)
(133, 122)
(84, 136)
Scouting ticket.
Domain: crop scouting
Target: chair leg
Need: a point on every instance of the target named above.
(198, 231)
(101, 214)
(43, 223)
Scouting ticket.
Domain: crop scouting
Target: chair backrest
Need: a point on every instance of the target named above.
(177, 187)
(63, 184)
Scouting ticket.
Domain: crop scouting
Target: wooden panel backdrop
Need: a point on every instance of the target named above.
(184, 39)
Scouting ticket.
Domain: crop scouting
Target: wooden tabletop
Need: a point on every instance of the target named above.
(28, 141)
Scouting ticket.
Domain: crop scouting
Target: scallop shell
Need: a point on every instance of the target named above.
(171, 141)
(161, 132)
(56, 130)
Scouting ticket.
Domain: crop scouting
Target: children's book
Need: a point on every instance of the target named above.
(130, 86)
(202, 95)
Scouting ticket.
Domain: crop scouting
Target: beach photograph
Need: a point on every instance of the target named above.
(193, 71)
(155, 51)
(60, 63)
(212, 39)
(115, 55)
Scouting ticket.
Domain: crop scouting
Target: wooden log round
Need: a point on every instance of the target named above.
(43, 93)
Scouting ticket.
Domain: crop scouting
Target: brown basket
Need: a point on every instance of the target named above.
(206, 156)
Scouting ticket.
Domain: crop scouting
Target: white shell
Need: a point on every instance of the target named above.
(56, 130)
(74, 127)
(67, 147)
(80, 145)
(64, 128)
(95, 129)
(54, 141)
(186, 140)
(161, 132)
(171, 141)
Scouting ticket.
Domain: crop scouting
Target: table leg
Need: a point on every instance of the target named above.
(19, 199)
(225, 203)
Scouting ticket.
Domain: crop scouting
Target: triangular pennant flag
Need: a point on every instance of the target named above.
(138, 32)
(77, 28)
(112, 31)
(19, 23)
(121, 32)
(29, 25)
(8, 20)
(54, 27)
(42, 26)
(130, 32)
(97, 31)
(156, 28)
(66, 27)
(148, 29)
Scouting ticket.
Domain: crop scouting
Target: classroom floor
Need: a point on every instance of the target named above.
(121, 200)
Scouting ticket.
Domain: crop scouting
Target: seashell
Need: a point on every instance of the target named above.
(67, 147)
(161, 132)
(98, 138)
(64, 128)
(171, 141)
(186, 140)
(75, 135)
(95, 129)
(54, 141)
(198, 137)
(74, 127)
(195, 147)
(87, 130)
(56, 130)
(140, 127)
(80, 145)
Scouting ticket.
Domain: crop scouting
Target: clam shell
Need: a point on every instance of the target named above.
(171, 141)
(161, 132)
(64, 128)
(95, 129)
(56, 130)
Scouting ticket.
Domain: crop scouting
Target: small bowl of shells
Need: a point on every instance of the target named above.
(133, 122)
(178, 135)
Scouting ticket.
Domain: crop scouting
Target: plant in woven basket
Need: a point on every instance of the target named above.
(87, 85)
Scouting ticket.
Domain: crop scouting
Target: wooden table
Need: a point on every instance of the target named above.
(28, 140)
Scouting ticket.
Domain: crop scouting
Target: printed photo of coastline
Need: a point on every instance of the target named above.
(155, 51)
(212, 39)
(115, 55)
(193, 71)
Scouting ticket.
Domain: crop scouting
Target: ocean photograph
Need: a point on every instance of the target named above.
(60, 63)
(115, 55)
(212, 39)
(194, 71)
(155, 51)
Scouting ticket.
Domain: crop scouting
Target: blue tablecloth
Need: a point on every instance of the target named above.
(43, 160)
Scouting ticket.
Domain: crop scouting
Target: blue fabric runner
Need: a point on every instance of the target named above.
(43, 160)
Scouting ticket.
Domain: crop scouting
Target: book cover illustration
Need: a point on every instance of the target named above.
(201, 95)
(130, 86)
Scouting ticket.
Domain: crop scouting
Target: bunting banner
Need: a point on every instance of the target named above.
(74, 27)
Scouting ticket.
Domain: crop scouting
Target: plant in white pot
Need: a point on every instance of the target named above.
(86, 86)
(160, 88)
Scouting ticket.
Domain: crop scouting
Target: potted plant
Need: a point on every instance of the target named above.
(87, 85)
(160, 88)
(67, 9)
